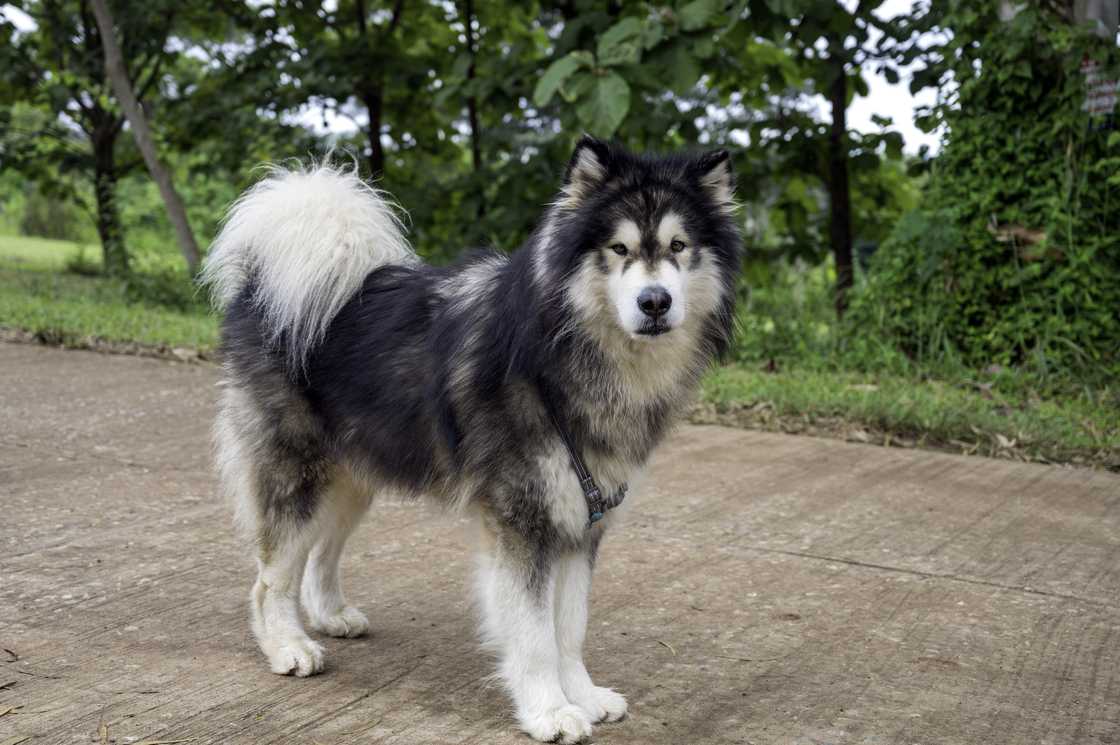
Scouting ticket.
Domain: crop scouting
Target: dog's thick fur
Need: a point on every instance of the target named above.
(352, 370)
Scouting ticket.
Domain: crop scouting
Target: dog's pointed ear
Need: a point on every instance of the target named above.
(714, 171)
(588, 168)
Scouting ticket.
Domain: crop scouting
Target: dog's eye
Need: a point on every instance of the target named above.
(677, 246)
(619, 248)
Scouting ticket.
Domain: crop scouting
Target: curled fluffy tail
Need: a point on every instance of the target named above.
(306, 239)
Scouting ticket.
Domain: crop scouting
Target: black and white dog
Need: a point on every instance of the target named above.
(526, 390)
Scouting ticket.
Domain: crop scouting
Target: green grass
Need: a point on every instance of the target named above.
(39, 296)
(962, 416)
(44, 254)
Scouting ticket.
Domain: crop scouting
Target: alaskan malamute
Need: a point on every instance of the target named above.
(526, 390)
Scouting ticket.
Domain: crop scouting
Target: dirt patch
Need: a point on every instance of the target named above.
(106, 346)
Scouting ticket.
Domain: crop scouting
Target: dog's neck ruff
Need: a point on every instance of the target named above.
(597, 504)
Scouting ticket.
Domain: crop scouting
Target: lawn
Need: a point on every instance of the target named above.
(39, 295)
(46, 290)
(964, 415)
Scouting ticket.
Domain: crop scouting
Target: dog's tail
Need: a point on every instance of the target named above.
(304, 240)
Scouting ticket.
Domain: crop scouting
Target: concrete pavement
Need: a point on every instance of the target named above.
(765, 589)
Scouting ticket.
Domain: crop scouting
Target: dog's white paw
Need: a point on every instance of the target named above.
(566, 724)
(601, 704)
(348, 622)
(295, 655)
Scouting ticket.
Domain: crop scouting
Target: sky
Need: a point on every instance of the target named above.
(883, 99)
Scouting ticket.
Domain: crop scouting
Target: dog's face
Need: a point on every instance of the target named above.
(657, 243)
(648, 266)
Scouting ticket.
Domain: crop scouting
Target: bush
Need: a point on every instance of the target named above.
(1014, 257)
(46, 216)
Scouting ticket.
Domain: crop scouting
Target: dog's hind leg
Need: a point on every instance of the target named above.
(274, 603)
(573, 585)
(275, 492)
(516, 583)
(338, 513)
(272, 467)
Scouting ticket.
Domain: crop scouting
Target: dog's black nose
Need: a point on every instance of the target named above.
(655, 301)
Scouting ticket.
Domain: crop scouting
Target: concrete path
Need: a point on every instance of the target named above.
(766, 589)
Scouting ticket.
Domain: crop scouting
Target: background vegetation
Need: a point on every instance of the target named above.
(965, 301)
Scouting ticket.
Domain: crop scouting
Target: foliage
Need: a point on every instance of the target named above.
(60, 125)
(1014, 257)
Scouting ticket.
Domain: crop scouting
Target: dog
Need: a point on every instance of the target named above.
(526, 390)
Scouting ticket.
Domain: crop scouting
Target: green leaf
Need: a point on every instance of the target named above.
(652, 33)
(577, 86)
(676, 67)
(698, 13)
(621, 43)
(603, 111)
(704, 48)
(858, 85)
(894, 143)
(555, 76)
(865, 162)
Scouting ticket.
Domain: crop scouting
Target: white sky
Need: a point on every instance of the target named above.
(884, 99)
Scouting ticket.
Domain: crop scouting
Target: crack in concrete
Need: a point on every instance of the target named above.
(934, 575)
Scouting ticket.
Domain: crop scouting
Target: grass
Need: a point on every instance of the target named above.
(38, 295)
(786, 376)
(960, 416)
(44, 254)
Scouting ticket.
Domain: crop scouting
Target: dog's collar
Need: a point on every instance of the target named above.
(597, 504)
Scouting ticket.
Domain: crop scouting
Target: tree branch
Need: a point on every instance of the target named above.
(398, 7)
(153, 75)
(360, 11)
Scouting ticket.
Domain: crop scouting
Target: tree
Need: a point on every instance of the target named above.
(659, 76)
(58, 70)
(1012, 257)
(832, 46)
(122, 86)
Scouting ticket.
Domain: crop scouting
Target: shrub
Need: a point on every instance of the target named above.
(1014, 257)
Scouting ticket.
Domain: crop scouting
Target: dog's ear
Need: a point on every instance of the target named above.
(588, 168)
(714, 172)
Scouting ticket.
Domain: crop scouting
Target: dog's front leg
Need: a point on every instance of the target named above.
(573, 585)
(516, 588)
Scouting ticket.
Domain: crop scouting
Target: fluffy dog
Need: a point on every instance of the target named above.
(526, 390)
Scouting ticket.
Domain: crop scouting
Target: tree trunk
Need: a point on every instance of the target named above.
(372, 98)
(113, 254)
(840, 199)
(371, 91)
(472, 100)
(472, 105)
(122, 88)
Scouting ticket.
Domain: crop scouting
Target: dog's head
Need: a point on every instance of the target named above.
(649, 244)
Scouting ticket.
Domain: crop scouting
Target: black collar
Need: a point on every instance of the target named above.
(597, 504)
